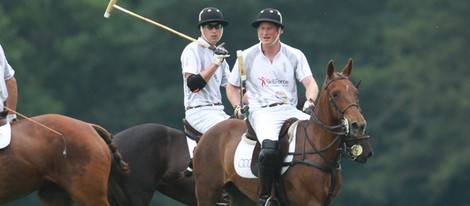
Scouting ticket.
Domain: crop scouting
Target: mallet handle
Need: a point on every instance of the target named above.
(160, 25)
(241, 67)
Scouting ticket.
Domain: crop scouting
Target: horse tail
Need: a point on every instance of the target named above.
(116, 194)
(108, 138)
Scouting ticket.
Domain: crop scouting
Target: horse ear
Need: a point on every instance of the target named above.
(348, 68)
(330, 69)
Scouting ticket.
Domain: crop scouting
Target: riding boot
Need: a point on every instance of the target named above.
(268, 165)
(265, 185)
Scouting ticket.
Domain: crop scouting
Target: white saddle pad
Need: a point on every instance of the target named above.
(244, 152)
(5, 135)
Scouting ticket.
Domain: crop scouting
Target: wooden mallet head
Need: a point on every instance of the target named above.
(110, 7)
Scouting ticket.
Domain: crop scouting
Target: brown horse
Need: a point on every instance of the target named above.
(66, 160)
(313, 177)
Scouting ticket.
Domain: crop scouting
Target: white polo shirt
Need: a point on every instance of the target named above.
(6, 72)
(194, 59)
(275, 82)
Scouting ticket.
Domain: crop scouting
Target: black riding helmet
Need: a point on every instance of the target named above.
(211, 14)
(269, 15)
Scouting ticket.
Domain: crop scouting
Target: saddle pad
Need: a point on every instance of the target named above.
(191, 146)
(5, 135)
(244, 152)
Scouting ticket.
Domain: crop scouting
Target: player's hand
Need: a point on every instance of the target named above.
(220, 53)
(240, 111)
(308, 106)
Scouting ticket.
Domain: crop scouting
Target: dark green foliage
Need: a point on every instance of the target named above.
(412, 58)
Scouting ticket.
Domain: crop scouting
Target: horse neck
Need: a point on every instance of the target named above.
(321, 136)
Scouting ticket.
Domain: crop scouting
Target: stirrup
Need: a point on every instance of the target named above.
(188, 172)
(271, 201)
(224, 199)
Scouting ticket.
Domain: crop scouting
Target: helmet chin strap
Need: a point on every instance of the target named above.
(205, 38)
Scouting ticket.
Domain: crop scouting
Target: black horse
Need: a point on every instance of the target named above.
(157, 156)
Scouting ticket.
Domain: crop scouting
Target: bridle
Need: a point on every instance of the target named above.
(343, 136)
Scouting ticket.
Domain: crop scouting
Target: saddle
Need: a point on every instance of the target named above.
(283, 141)
(191, 132)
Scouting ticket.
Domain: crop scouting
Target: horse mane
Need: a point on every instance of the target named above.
(108, 138)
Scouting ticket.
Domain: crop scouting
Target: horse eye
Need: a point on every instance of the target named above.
(335, 94)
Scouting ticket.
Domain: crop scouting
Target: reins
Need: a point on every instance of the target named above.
(332, 166)
(64, 152)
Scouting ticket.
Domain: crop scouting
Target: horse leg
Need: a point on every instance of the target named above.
(91, 188)
(207, 194)
(53, 195)
(208, 186)
(237, 198)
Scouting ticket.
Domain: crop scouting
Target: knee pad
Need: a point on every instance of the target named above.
(269, 157)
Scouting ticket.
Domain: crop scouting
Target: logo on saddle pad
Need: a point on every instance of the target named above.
(5, 135)
(246, 147)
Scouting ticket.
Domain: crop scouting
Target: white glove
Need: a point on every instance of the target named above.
(11, 117)
(219, 58)
(240, 112)
(309, 103)
(220, 53)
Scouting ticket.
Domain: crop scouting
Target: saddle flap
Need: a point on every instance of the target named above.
(284, 141)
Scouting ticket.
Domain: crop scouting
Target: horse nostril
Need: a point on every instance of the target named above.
(355, 126)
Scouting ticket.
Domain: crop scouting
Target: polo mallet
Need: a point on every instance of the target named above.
(112, 4)
(241, 67)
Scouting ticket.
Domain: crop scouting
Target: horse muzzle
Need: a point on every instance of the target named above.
(358, 149)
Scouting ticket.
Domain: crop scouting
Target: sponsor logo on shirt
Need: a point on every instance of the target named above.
(273, 82)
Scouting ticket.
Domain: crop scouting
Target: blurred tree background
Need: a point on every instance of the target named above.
(412, 57)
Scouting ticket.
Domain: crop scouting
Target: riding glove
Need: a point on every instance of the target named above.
(240, 111)
(220, 53)
(308, 105)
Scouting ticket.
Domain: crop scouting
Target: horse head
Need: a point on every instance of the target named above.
(343, 115)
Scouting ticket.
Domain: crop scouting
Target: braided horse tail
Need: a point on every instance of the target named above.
(108, 138)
